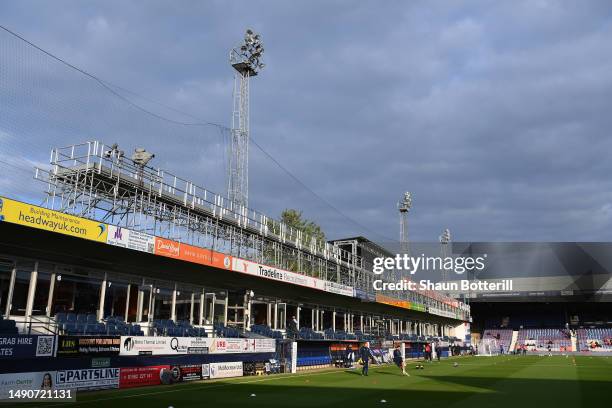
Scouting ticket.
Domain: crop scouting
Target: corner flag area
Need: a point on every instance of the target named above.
(504, 381)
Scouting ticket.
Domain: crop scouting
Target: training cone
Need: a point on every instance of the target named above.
(383, 401)
(252, 395)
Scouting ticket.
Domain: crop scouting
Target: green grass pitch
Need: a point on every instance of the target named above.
(477, 382)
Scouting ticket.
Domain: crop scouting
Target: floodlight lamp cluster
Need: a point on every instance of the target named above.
(114, 152)
(141, 157)
(445, 237)
(406, 204)
(251, 51)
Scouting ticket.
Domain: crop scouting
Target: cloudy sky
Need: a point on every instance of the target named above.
(495, 115)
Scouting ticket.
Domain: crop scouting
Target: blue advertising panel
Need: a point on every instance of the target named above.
(16, 346)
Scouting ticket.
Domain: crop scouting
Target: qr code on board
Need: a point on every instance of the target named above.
(44, 346)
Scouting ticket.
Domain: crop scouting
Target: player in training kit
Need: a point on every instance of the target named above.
(365, 353)
(398, 360)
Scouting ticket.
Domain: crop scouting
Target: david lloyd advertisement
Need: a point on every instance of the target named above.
(149, 345)
(225, 370)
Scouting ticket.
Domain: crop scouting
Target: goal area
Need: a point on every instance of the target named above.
(488, 348)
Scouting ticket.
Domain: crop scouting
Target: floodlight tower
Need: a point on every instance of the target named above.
(404, 207)
(445, 239)
(246, 60)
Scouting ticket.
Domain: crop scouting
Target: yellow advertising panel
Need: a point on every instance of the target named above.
(41, 218)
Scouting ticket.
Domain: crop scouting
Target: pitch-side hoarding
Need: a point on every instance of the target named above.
(150, 345)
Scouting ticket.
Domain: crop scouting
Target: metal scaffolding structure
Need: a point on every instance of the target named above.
(99, 182)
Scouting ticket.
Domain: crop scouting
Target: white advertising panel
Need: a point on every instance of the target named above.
(44, 380)
(225, 370)
(223, 345)
(440, 312)
(265, 345)
(125, 238)
(206, 370)
(150, 345)
(338, 288)
(88, 379)
(280, 275)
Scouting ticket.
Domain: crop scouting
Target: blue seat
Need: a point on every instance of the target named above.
(60, 317)
(71, 328)
(8, 327)
(91, 318)
(81, 318)
(71, 318)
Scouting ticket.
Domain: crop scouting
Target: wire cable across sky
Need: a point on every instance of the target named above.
(119, 92)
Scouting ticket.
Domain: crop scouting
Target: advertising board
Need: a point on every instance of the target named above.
(73, 346)
(125, 238)
(88, 379)
(225, 370)
(157, 345)
(43, 380)
(141, 376)
(41, 218)
(23, 346)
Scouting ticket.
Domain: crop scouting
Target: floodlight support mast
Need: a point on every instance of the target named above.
(445, 240)
(404, 207)
(245, 59)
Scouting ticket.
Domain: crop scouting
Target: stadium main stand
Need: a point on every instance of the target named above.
(596, 340)
(543, 339)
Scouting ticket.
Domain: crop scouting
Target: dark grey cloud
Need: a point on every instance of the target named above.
(494, 114)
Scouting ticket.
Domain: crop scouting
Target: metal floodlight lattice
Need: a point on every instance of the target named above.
(246, 60)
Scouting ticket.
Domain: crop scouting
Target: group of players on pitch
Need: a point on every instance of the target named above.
(365, 354)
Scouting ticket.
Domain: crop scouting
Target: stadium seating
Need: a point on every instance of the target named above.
(306, 333)
(226, 331)
(503, 336)
(87, 324)
(8, 327)
(361, 336)
(313, 354)
(338, 335)
(541, 339)
(266, 331)
(598, 339)
(179, 329)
